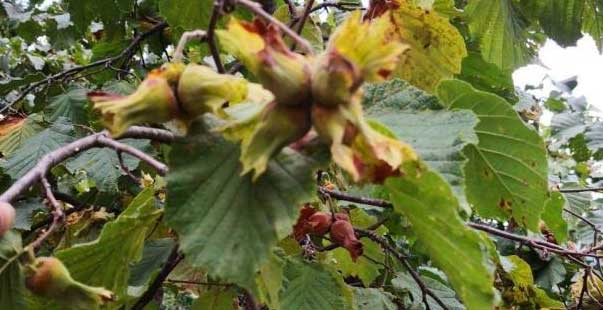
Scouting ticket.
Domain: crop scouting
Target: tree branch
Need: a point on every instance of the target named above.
(100, 139)
(215, 54)
(580, 190)
(108, 62)
(57, 214)
(103, 140)
(341, 5)
(257, 9)
(402, 259)
(543, 245)
(302, 20)
(351, 198)
(167, 268)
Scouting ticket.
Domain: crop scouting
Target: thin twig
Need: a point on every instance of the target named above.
(185, 38)
(96, 140)
(125, 169)
(302, 20)
(197, 282)
(346, 197)
(584, 288)
(543, 245)
(378, 223)
(167, 268)
(257, 9)
(57, 214)
(402, 258)
(580, 190)
(582, 218)
(341, 5)
(103, 140)
(292, 9)
(77, 206)
(250, 303)
(108, 62)
(215, 54)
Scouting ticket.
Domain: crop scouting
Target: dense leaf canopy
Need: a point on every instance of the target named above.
(284, 154)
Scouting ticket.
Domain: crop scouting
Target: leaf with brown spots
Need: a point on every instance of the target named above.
(436, 46)
(506, 175)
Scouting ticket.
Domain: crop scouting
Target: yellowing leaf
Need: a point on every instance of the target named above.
(436, 46)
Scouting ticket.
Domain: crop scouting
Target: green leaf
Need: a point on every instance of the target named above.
(397, 94)
(518, 270)
(185, 15)
(109, 12)
(12, 280)
(438, 137)
(553, 216)
(227, 224)
(102, 165)
(120, 87)
(593, 21)
(310, 32)
(565, 126)
(428, 204)
(22, 160)
(364, 268)
(561, 20)
(487, 77)
(270, 280)
(9, 84)
(105, 261)
(368, 266)
(17, 136)
(543, 300)
(154, 254)
(405, 282)
(373, 299)
(500, 31)
(24, 210)
(594, 137)
(81, 14)
(72, 105)
(436, 46)
(552, 274)
(216, 299)
(309, 286)
(507, 170)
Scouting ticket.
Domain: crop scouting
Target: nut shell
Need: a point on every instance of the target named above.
(7, 217)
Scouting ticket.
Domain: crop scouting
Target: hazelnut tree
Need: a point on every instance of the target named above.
(294, 155)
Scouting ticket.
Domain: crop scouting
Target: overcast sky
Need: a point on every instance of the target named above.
(582, 60)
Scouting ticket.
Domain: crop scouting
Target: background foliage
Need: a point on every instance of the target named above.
(502, 210)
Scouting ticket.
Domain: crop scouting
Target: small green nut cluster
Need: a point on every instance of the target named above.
(174, 91)
(321, 92)
(50, 278)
